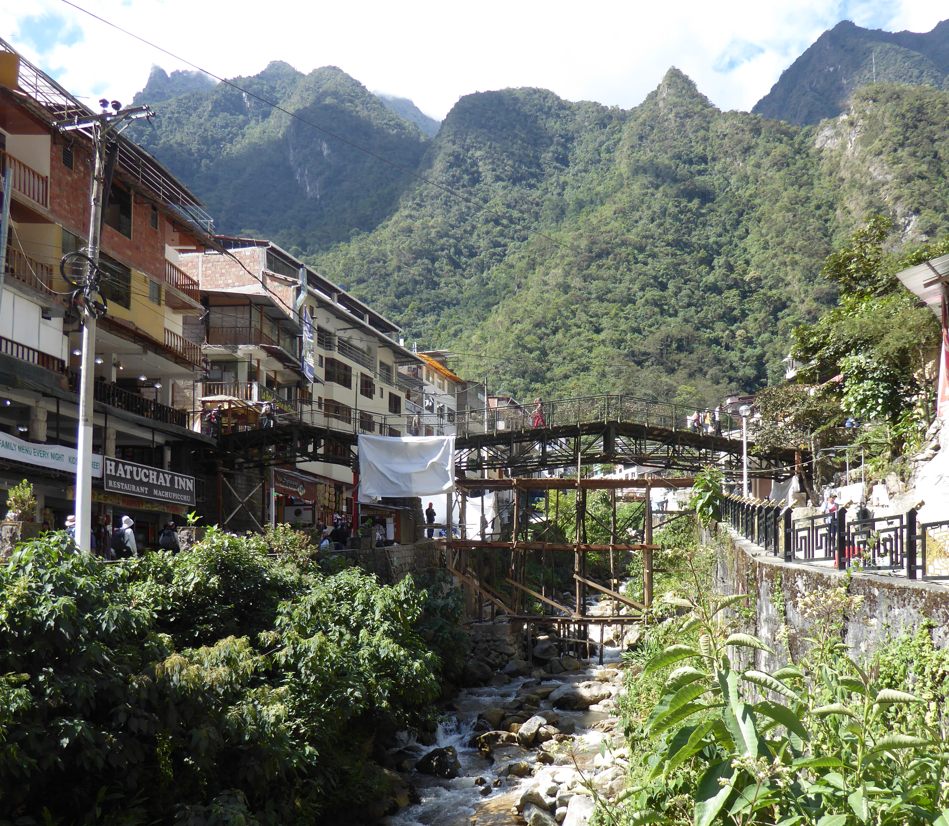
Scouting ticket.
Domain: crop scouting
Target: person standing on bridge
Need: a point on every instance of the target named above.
(694, 422)
(717, 416)
(707, 422)
(537, 419)
(430, 518)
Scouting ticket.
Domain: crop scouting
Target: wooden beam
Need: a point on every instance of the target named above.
(542, 598)
(469, 581)
(554, 483)
(551, 546)
(614, 594)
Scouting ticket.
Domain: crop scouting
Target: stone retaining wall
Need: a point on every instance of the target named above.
(891, 605)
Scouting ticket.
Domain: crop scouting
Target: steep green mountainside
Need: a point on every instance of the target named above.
(411, 112)
(161, 86)
(820, 82)
(264, 173)
(666, 250)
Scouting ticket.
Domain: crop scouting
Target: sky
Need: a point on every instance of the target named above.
(613, 51)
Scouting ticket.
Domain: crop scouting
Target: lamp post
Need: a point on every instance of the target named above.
(744, 411)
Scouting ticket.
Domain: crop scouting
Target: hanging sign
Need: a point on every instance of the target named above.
(51, 456)
(308, 367)
(152, 483)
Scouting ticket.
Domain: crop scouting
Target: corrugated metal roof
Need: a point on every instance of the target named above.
(928, 281)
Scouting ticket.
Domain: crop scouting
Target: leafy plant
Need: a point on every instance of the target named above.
(708, 494)
(21, 502)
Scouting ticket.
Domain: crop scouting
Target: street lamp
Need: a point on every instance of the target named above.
(744, 411)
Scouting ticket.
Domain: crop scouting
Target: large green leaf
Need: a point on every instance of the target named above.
(859, 804)
(783, 716)
(727, 602)
(710, 796)
(738, 716)
(694, 744)
(642, 816)
(683, 676)
(788, 671)
(671, 655)
(748, 641)
(833, 708)
(760, 678)
(853, 684)
(673, 718)
(833, 820)
(890, 695)
(900, 741)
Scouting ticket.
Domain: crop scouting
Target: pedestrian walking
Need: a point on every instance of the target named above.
(537, 418)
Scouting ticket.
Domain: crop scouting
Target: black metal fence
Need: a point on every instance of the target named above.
(884, 543)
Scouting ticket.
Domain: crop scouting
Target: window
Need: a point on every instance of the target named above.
(339, 373)
(367, 386)
(118, 213)
(153, 218)
(395, 403)
(429, 377)
(69, 159)
(154, 292)
(281, 267)
(385, 373)
(366, 423)
(335, 410)
(115, 282)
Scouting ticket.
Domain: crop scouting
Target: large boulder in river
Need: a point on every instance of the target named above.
(535, 816)
(545, 649)
(528, 731)
(516, 668)
(580, 696)
(579, 810)
(476, 673)
(493, 716)
(441, 762)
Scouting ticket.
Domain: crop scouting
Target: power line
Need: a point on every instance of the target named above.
(446, 189)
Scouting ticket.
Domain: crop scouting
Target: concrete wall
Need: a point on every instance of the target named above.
(891, 605)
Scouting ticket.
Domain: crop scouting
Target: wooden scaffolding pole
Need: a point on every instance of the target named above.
(647, 552)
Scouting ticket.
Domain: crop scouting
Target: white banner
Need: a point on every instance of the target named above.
(51, 456)
(407, 466)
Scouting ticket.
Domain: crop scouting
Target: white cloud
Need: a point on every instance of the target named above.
(613, 52)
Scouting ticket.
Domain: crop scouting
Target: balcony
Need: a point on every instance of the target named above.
(26, 270)
(26, 180)
(285, 349)
(349, 350)
(250, 391)
(132, 402)
(181, 347)
(31, 355)
(181, 281)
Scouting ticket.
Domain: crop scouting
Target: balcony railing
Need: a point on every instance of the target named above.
(181, 281)
(354, 353)
(235, 336)
(26, 180)
(32, 273)
(182, 347)
(33, 356)
(132, 402)
(249, 391)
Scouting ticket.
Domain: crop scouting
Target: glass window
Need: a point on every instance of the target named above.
(367, 386)
(154, 292)
(339, 373)
(118, 212)
(395, 403)
(115, 282)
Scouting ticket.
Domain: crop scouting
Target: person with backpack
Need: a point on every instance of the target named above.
(123, 539)
(168, 538)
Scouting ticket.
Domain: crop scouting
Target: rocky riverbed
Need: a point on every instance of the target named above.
(525, 747)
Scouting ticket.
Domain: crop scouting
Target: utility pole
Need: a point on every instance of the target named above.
(103, 127)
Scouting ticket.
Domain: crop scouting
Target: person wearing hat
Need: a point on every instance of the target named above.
(71, 530)
(325, 543)
(128, 536)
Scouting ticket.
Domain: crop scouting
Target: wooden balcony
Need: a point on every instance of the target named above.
(183, 348)
(249, 391)
(183, 283)
(33, 356)
(26, 180)
(132, 402)
(29, 271)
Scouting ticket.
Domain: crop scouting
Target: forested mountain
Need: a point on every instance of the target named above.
(668, 250)
(161, 86)
(820, 82)
(262, 172)
(409, 111)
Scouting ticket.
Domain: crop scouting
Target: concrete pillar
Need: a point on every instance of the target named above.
(166, 457)
(164, 392)
(37, 431)
(108, 448)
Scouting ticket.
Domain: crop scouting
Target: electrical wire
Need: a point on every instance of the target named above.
(421, 178)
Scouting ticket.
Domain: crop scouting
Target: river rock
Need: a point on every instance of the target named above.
(546, 649)
(579, 811)
(543, 691)
(477, 673)
(441, 762)
(569, 663)
(397, 793)
(499, 680)
(551, 716)
(532, 795)
(560, 814)
(610, 781)
(528, 731)
(535, 816)
(545, 758)
(545, 733)
(516, 668)
(555, 666)
(579, 697)
(490, 740)
(493, 716)
(519, 768)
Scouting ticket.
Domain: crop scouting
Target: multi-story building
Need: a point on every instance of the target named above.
(276, 332)
(140, 349)
(441, 398)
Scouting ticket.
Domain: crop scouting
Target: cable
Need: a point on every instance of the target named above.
(448, 190)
